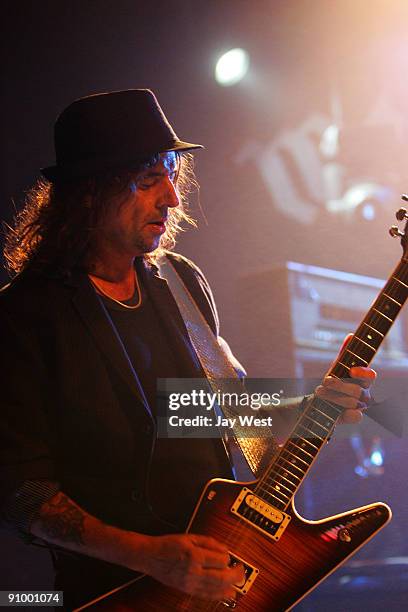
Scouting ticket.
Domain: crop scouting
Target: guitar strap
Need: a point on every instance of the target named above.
(249, 454)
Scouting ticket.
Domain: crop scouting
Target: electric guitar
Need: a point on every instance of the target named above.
(284, 556)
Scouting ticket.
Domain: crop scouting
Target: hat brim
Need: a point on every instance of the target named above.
(88, 167)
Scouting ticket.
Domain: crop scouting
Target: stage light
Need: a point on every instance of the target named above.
(368, 211)
(376, 458)
(377, 453)
(371, 461)
(232, 67)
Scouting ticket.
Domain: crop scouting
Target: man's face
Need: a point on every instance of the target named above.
(135, 222)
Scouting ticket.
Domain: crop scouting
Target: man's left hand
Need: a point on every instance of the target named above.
(353, 394)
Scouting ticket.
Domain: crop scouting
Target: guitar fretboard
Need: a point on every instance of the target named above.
(316, 424)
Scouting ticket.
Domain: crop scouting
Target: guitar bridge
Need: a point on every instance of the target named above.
(261, 515)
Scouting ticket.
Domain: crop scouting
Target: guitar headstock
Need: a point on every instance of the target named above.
(402, 215)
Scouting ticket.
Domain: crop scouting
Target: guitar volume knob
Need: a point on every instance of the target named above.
(344, 535)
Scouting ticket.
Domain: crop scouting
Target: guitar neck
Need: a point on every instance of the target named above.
(316, 424)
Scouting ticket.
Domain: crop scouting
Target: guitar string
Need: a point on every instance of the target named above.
(240, 524)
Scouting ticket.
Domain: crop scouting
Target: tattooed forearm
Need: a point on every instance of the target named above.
(62, 520)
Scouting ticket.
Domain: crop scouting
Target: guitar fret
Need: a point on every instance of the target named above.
(316, 422)
(301, 449)
(340, 375)
(275, 490)
(296, 457)
(312, 432)
(383, 315)
(366, 343)
(291, 490)
(324, 414)
(262, 490)
(394, 291)
(392, 299)
(282, 501)
(330, 405)
(292, 465)
(388, 305)
(358, 356)
(308, 442)
(294, 485)
(280, 484)
(374, 329)
(284, 467)
(273, 495)
(344, 365)
(334, 407)
(286, 471)
(399, 281)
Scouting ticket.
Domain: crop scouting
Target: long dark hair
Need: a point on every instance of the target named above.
(55, 228)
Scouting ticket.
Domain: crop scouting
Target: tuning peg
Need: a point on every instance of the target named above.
(401, 214)
(395, 232)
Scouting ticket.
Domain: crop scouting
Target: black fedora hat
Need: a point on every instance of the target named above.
(111, 130)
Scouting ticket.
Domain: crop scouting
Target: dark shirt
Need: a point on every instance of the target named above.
(147, 343)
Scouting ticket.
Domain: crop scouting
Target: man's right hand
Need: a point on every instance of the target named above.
(195, 564)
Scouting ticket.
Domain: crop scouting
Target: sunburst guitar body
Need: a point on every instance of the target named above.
(284, 555)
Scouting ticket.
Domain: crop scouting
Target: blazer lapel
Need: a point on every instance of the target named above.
(96, 318)
(171, 318)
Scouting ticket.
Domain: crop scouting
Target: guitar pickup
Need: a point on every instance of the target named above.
(261, 515)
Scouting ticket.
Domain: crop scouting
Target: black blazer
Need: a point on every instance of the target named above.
(73, 409)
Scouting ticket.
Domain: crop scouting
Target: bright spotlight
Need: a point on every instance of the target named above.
(376, 458)
(232, 67)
